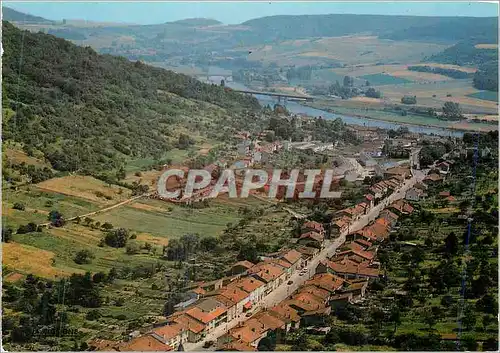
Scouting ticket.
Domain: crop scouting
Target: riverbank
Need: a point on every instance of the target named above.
(407, 120)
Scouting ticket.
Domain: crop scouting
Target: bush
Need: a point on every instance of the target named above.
(28, 228)
(409, 100)
(18, 206)
(133, 248)
(84, 257)
(117, 238)
(93, 315)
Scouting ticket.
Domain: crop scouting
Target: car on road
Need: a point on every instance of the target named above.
(301, 274)
(290, 282)
(248, 314)
(208, 344)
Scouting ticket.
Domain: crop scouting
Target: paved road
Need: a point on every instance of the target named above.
(285, 290)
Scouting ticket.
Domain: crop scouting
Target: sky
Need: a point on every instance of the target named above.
(237, 12)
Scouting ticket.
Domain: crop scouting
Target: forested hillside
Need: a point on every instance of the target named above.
(391, 27)
(9, 14)
(86, 111)
(487, 76)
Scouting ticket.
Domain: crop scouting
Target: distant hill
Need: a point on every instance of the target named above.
(90, 112)
(12, 15)
(196, 22)
(391, 27)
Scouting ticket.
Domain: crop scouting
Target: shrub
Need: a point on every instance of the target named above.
(18, 206)
(116, 238)
(84, 257)
(93, 315)
(409, 100)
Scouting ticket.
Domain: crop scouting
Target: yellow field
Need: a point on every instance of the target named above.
(28, 259)
(149, 177)
(145, 207)
(367, 99)
(486, 46)
(145, 237)
(482, 117)
(472, 101)
(86, 187)
(350, 49)
(79, 234)
(420, 76)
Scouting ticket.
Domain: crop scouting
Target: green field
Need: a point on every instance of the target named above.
(485, 95)
(383, 79)
(158, 220)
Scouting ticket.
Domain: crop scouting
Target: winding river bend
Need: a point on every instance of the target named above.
(297, 108)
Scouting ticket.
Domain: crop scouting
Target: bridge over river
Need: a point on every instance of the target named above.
(279, 95)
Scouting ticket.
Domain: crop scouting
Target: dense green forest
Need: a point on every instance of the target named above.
(391, 27)
(86, 111)
(487, 76)
(441, 71)
(465, 53)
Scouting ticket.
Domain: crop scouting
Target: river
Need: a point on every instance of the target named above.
(297, 108)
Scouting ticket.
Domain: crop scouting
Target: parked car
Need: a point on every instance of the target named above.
(248, 314)
(208, 344)
(290, 282)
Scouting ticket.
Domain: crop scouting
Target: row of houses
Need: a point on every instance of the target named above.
(309, 305)
(221, 301)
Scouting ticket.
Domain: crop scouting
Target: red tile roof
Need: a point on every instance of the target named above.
(313, 235)
(316, 226)
(292, 256)
(245, 264)
(145, 343)
(267, 271)
(169, 331)
(205, 317)
(190, 324)
(248, 284)
(326, 281)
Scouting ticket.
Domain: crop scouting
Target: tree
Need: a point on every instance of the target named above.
(222, 83)
(428, 317)
(452, 111)
(395, 317)
(6, 234)
(84, 257)
(469, 318)
(348, 81)
(117, 238)
(372, 93)
(133, 248)
(56, 218)
(409, 100)
(18, 206)
(451, 244)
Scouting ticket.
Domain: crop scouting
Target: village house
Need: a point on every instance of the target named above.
(348, 269)
(313, 226)
(172, 335)
(391, 217)
(307, 252)
(311, 239)
(294, 258)
(237, 296)
(254, 287)
(370, 200)
(326, 281)
(339, 226)
(433, 179)
(415, 194)
(209, 312)
(240, 267)
(363, 243)
(287, 314)
(145, 343)
(270, 273)
(443, 167)
(403, 172)
(195, 329)
(401, 207)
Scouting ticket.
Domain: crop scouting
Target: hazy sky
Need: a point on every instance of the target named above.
(237, 12)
